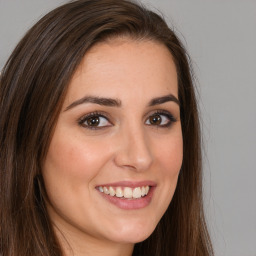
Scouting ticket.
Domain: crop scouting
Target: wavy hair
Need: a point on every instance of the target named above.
(33, 86)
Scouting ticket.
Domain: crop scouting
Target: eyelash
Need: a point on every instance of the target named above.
(166, 114)
(97, 114)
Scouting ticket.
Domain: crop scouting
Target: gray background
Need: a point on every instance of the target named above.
(220, 36)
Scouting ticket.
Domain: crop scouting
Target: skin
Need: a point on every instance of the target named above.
(125, 147)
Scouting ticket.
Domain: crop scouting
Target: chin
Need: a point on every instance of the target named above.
(134, 233)
(133, 238)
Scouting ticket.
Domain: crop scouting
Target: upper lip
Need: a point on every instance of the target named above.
(131, 184)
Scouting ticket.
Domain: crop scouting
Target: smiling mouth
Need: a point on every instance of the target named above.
(125, 192)
(128, 195)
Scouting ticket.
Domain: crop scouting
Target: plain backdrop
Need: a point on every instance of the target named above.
(220, 36)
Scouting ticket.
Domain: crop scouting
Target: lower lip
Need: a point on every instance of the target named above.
(130, 204)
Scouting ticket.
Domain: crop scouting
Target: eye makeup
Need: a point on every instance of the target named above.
(99, 120)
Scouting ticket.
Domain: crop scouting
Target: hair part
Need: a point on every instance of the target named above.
(33, 86)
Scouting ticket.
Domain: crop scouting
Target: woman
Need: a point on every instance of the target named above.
(100, 141)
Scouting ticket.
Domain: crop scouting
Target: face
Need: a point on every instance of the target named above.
(116, 152)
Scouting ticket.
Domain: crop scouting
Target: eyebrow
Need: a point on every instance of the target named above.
(96, 100)
(109, 102)
(163, 99)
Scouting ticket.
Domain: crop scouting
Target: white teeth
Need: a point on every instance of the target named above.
(119, 192)
(125, 192)
(136, 193)
(143, 191)
(112, 192)
(105, 190)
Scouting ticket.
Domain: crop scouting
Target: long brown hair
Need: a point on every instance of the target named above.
(33, 85)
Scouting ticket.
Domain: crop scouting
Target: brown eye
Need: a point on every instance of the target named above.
(93, 121)
(155, 120)
(161, 119)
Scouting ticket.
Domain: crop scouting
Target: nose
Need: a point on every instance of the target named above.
(133, 150)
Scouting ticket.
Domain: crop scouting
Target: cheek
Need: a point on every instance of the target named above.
(69, 170)
(72, 158)
(171, 156)
(170, 159)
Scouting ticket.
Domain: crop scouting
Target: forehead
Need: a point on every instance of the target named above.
(121, 66)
